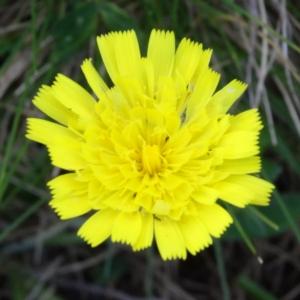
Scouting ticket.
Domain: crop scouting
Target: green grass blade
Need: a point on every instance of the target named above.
(22, 218)
(8, 150)
(287, 214)
(241, 230)
(17, 283)
(221, 269)
(285, 211)
(254, 290)
(33, 34)
(263, 218)
(31, 177)
(286, 152)
(12, 137)
(13, 168)
(174, 13)
(149, 273)
(107, 268)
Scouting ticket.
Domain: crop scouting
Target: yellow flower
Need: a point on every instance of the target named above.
(152, 154)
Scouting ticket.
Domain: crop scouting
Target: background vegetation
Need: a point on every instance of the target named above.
(41, 257)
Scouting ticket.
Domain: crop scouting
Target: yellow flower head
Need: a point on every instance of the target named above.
(152, 154)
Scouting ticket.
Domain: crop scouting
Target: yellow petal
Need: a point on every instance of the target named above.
(172, 124)
(198, 166)
(49, 105)
(176, 213)
(248, 120)
(161, 51)
(127, 228)
(106, 48)
(121, 55)
(187, 57)
(94, 188)
(260, 188)
(128, 54)
(166, 94)
(52, 134)
(239, 144)
(123, 201)
(169, 239)
(98, 199)
(179, 140)
(183, 91)
(161, 207)
(131, 90)
(206, 133)
(202, 93)
(170, 181)
(145, 201)
(135, 183)
(205, 195)
(67, 185)
(234, 193)
(98, 227)
(202, 65)
(70, 207)
(195, 234)
(73, 96)
(146, 235)
(241, 166)
(223, 99)
(67, 159)
(147, 73)
(93, 78)
(183, 191)
(215, 218)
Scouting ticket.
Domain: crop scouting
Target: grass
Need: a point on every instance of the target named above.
(42, 258)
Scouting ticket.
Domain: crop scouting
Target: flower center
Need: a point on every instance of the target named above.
(151, 159)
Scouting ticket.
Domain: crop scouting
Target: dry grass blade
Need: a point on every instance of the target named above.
(80, 266)
(270, 119)
(43, 277)
(171, 288)
(264, 56)
(289, 103)
(18, 66)
(284, 26)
